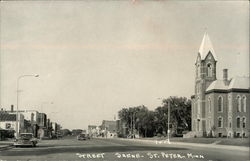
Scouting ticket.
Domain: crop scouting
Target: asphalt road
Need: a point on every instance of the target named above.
(119, 150)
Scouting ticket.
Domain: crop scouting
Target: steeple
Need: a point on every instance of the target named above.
(206, 47)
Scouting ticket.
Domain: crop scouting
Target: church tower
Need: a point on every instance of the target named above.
(205, 67)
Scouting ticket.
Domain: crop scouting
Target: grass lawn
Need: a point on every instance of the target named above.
(221, 141)
(235, 141)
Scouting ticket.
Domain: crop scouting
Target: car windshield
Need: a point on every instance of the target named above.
(82, 135)
(26, 136)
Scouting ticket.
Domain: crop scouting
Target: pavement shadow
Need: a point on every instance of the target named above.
(108, 149)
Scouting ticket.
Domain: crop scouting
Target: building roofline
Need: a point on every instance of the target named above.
(228, 90)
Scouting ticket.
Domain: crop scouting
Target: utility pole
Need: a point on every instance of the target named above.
(168, 121)
(17, 103)
(131, 124)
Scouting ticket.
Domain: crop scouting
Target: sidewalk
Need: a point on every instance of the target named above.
(202, 145)
(5, 145)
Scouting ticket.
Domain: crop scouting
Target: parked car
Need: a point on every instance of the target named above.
(82, 137)
(88, 136)
(25, 139)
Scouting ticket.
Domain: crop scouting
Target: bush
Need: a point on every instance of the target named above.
(121, 136)
(159, 135)
(7, 134)
(178, 135)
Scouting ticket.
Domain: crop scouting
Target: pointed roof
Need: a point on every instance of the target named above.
(205, 47)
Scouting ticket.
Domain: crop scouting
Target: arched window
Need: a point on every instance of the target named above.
(209, 105)
(220, 104)
(238, 122)
(209, 70)
(243, 122)
(220, 122)
(238, 104)
(244, 104)
(229, 104)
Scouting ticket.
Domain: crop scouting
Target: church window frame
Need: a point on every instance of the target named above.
(238, 122)
(244, 100)
(220, 104)
(220, 122)
(209, 70)
(238, 101)
(230, 122)
(244, 120)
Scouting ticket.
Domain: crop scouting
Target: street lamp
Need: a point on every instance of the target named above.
(169, 107)
(17, 99)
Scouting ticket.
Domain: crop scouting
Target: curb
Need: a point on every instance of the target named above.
(6, 147)
(228, 147)
(216, 146)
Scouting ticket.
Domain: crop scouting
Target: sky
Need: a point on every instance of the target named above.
(96, 57)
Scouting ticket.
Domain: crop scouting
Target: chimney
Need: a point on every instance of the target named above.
(12, 108)
(225, 76)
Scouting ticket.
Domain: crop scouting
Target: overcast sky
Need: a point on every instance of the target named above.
(96, 57)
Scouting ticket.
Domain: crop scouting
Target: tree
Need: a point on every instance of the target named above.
(139, 118)
(149, 123)
(180, 113)
(161, 120)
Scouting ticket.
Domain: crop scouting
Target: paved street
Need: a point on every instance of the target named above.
(119, 150)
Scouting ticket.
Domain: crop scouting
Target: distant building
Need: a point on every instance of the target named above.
(34, 122)
(92, 131)
(220, 108)
(108, 129)
(31, 120)
(122, 130)
(76, 132)
(9, 122)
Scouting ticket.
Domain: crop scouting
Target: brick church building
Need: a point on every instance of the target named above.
(220, 107)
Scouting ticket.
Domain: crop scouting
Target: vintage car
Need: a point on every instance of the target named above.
(25, 139)
(82, 137)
